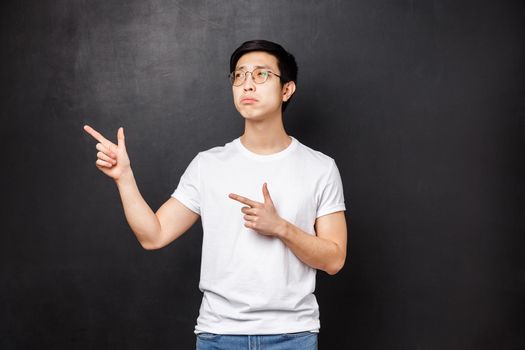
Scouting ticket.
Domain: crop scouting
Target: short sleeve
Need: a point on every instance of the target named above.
(188, 189)
(331, 199)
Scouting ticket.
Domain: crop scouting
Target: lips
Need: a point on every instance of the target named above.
(248, 100)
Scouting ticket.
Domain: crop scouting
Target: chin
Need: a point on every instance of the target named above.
(251, 115)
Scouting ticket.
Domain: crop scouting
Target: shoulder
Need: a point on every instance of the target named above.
(315, 157)
(216, 152)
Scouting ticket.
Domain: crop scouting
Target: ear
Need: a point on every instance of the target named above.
(288, 90)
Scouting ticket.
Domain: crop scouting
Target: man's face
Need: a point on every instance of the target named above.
(259, 101)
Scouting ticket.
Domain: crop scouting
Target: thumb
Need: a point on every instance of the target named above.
(120, 138)
(266, 194)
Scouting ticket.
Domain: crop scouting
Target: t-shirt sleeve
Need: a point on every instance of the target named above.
(188, 189)
(332, 196)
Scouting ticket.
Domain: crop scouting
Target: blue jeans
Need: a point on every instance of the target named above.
(286, 341)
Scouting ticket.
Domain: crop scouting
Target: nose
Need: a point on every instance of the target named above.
(248, 84)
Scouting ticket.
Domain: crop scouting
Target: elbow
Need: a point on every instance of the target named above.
(337, 262)
(155, 245)
(335, 267)
(150, 245)
(333, 270)
(151, 242)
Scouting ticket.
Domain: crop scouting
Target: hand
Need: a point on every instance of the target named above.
(112, 159)
(261, 217)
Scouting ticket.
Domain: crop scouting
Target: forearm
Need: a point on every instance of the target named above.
(317, 252)
(139, 215)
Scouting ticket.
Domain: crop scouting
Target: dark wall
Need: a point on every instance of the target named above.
(421, 104)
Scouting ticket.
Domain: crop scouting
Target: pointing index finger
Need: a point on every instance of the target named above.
(244, 200)
(98, 136)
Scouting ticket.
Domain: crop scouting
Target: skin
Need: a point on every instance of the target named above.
(264, 131)
(153, 230)
(264, 134)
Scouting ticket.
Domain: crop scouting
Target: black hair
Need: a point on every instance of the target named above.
(285, 60)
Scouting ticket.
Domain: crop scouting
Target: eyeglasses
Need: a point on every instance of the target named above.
(259, 76)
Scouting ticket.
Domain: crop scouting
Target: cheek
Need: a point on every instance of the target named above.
(272, 95)
(276, 96)
(235, 95)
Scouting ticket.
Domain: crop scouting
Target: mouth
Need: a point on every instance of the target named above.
(248, 100)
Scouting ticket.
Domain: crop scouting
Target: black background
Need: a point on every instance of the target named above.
(421, 104)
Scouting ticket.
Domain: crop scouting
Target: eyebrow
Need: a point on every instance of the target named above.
(255, 67)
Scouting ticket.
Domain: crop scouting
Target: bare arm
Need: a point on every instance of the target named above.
(153, 230)
(327, 250)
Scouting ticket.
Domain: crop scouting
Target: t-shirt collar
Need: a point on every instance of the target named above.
(265, 157)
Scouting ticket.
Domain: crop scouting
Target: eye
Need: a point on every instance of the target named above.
(262, 73)
(238, 74)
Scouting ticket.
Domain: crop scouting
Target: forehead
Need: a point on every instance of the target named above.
(257, 59)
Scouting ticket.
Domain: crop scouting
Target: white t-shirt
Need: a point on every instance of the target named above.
(251, 283)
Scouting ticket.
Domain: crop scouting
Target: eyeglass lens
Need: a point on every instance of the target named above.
(259, 76)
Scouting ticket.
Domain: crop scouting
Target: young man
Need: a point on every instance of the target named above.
(272, 212)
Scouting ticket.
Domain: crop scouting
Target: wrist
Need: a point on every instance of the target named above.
(283, 229)
(125, 178)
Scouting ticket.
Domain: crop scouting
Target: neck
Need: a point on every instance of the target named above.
(266, 136)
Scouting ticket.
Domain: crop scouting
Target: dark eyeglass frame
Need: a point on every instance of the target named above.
(245, 74)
